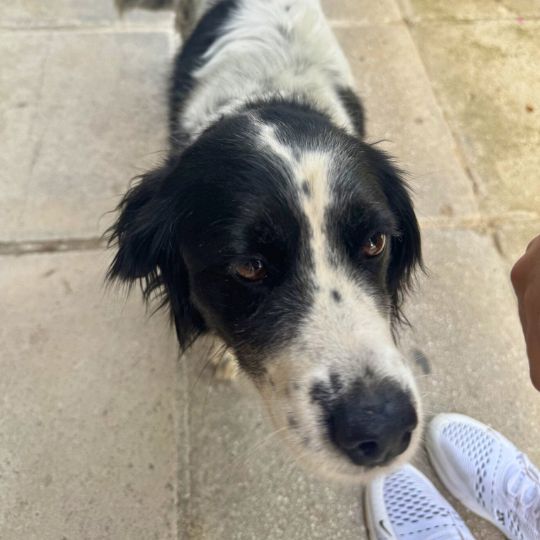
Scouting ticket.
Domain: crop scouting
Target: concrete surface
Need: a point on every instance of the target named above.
(103, 433)
(463, 320)
(465, 10)
(79, 148)
(411, 127)
(243, 482)
(89, 422)
(487, 79)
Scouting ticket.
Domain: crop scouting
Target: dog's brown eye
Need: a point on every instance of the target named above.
(252, 270)
(375, 245)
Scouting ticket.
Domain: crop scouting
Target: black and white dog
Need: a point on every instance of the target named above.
(274, 226)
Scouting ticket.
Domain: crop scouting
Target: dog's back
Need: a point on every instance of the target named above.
(240, 51)
(263, 50)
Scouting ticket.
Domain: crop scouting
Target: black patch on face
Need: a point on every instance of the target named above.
(336, 295)
(306, 189)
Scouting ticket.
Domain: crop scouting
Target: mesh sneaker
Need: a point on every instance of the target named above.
(487, 474)
(406, 505)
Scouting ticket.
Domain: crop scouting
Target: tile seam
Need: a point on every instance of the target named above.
(52, 246)
(118, 27)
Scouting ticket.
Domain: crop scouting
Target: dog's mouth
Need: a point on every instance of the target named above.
(348, 434)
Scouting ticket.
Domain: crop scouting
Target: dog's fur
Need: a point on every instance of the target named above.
(267, 162)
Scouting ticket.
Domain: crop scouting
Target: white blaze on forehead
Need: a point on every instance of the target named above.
(310, 168)
(313, 171)
(269, 138)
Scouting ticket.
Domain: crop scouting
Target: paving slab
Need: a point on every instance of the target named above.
(403, 113)
(245, 484)
(470, 9)
(465, 321)
(102, 12)
(488, 85)
(361, 11)
(73, 13)
(81, 114)
(90, 406)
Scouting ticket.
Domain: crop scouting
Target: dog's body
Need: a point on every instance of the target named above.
(275, 227)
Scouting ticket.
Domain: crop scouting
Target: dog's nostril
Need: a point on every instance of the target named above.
(369, 448)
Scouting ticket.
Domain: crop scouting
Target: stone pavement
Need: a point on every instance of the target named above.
(103, 433)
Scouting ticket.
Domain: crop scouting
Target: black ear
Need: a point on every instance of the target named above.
(139, 230)
(147, 240)
(406, 250)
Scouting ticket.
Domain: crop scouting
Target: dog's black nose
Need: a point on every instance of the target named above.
(374, 424)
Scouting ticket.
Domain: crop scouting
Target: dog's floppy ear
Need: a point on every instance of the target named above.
(139, 230)
(147, 241)
(406, 249)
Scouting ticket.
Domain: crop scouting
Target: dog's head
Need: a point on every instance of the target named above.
(294, 242)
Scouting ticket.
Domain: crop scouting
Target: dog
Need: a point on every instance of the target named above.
(276, 227)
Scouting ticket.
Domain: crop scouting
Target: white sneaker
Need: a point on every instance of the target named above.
(406, 505)
(487, 473)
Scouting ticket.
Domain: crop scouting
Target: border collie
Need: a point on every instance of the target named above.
(274, 226)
